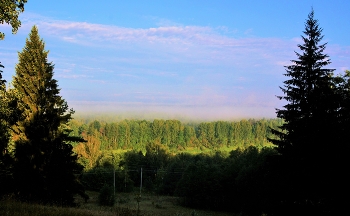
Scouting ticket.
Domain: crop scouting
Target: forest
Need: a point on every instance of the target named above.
(295, 164)
(175, 157)
(174, 135)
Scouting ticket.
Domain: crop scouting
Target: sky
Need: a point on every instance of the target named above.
(199, 59)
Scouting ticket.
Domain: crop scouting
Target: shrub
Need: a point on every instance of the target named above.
(106, 196)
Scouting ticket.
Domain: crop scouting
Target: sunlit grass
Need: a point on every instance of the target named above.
(222, 149)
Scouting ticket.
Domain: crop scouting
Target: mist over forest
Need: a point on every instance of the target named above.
(110, 111)
(293, 163)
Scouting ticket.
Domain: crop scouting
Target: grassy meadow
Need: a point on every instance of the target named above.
(126, 205)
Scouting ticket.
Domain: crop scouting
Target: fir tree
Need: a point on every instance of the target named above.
(308, 93)
(308, 140)
(45, 167)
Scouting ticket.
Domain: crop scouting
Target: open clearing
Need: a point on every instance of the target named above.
(149, 204)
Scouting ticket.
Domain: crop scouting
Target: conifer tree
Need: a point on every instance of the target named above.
(308, 140)
(45, 167)
(308, 94)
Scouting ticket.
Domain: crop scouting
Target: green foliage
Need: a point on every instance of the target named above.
(236, 183)
(10, 113)
(168, 177)
(103, 174)
(96, 178)
(9, 12)
(106, 196)
(177, 136)
(201, 183)
(214, 180)
(43, 153)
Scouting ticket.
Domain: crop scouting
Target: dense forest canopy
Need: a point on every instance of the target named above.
(175, 135)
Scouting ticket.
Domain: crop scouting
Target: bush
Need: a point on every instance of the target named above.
(97, 177)
(106, 196)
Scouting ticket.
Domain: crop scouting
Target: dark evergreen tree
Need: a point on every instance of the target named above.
(308, 140)
(45, 165)
(307, 93)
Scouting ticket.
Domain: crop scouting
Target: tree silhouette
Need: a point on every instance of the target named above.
(45, 167)
(308, 141)
(308, 94)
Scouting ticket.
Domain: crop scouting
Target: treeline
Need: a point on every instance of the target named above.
(175, 135)
(217, 179)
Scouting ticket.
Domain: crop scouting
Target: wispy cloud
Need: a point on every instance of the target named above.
(73, 76)
(204, 41)
(199, 44)
(169, 65)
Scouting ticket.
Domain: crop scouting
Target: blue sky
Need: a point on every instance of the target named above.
(176, 59)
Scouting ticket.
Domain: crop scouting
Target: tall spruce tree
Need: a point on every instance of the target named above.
(308, 93)
(45, 167)
(309, 139)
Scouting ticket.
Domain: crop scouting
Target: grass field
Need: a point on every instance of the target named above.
(126, 205)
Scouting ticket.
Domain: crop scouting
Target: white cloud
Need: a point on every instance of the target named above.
(171, 66)
(196, 44)
(205, 42)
